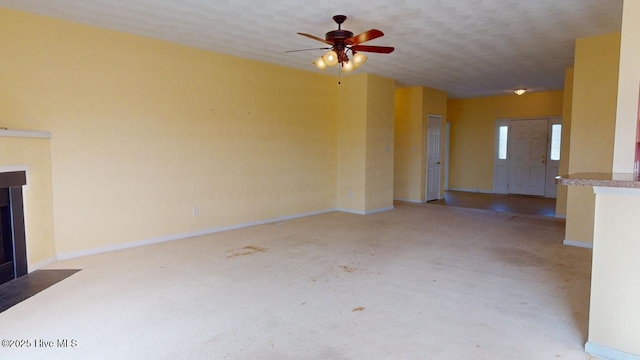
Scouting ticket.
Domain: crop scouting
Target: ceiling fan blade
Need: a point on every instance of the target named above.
(374, 49)
(316, 38)
(365, 36)
(292, 51)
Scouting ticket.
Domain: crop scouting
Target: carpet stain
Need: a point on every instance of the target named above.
(348, 268)
(359, 308)
(247, 250)
(518, 257)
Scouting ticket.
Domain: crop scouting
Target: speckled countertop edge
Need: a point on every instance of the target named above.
(585, 180)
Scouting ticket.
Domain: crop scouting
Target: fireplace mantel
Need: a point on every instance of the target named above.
(25, 133)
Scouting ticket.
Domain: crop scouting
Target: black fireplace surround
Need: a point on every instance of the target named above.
(13, 250)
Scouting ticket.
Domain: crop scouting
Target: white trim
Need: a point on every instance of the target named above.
(552, 118)
(607, 353)
(501, 186)
(581, 244)
(357, 212)
(166, 238)
(472, 190)
(369, 212)
(447, 150)
(25, 134)
(41, 264)
(607, 190)
(561, 216)
(366, 212)
(409, 200)
(428, 121)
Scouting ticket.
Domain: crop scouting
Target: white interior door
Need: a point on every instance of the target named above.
(528, 160)
(434, 129)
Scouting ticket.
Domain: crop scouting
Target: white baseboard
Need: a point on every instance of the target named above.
(561, 216)
(41, 264)
(379, 210)
(607, 353)
(366, 212)
(581, 244)
(357, 212)
(166, 238)
(409, 200)
(472, 190)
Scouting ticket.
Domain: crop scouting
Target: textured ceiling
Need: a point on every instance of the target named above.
(465, 47)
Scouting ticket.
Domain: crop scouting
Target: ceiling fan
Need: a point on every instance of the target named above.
(342, 42)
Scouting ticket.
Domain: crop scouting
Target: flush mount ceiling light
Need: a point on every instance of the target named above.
(520, 91)
(342, 42)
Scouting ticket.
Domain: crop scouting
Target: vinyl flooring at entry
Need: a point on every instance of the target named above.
(518, 204)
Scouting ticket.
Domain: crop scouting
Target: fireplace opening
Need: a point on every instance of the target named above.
(13, 250)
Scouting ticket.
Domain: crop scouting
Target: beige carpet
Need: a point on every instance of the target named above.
(417, 282)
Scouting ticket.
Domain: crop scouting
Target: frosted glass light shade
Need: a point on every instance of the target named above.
(359, 59)
(330, 58)
(320, 64)
(520, 91)
(347, 66)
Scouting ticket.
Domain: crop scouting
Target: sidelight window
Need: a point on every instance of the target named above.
(556, 135)
(503, 134)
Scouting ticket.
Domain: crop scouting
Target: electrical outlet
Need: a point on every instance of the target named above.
(195, 211)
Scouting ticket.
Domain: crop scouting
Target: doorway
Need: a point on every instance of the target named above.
(433, 156)
(527, 156)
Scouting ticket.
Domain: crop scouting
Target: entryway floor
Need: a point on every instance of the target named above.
(517, 204)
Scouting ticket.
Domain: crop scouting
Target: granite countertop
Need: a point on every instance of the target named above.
(622, 180)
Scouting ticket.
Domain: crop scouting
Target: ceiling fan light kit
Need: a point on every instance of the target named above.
(342, 42)
(520, 91)
(320, 64)
(359, 59)
(347, 66)
(330, 58)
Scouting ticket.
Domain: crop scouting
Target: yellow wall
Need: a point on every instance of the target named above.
(563, 168)
(614, 316)
(628, 85)
(408, 144)
(144, 130)
(595, 85)
(379, 162)
(365, 143)
(34, 155)
(352, 143)
(473, 123)
(413, 105)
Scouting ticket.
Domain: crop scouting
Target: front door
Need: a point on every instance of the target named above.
(527, 164)
(434, 128)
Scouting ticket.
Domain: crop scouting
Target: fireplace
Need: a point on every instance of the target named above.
(13, 252)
